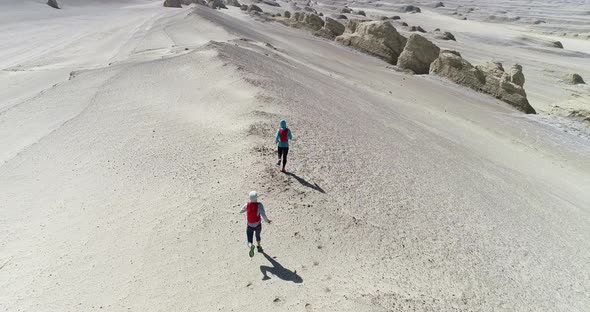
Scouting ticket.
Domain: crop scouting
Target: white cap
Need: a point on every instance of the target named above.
(253, 196)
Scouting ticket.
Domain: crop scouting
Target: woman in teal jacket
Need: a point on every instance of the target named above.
(282, 138)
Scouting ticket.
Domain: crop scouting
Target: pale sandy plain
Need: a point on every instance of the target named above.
(131, 134)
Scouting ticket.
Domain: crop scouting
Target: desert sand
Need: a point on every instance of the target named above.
(132, 133)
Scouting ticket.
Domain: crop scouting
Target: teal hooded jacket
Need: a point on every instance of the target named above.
(289, 136)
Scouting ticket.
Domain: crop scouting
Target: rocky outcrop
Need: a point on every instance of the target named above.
(418, 54)
(172, 4)
(216, 4)
(378, 38)
(452, 66)
(539, 42)
(489, 78)
(53, 4)
(410, 9)
(271, 3)
(313, 21)
(189, 2)
(574, 79)
(331, 29)
(515, 75)
(498, 84)
(339, 16)
(234, 3)
(305, 20)
(361, 13)
(417, 28)
(439, 5)
(395, 17)
(346, 10)
(334, 26)
(244, 7)
(556, 44)
(287, 14)
(298, 16)
(254, 8)
(350, 26)
(443, 35)
(324, 33)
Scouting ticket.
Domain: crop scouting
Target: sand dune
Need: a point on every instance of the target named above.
(132, 133)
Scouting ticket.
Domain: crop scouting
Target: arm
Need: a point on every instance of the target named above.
(290, 135)
(243, 209)
(277, 137)
(263, 213)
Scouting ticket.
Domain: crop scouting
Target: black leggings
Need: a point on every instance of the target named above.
(283, 151)
(250, 233)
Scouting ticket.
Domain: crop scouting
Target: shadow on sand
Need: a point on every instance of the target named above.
(279, 271)
(303, 182)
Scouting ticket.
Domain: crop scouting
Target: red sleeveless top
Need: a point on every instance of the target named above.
(252, 212)
(283, 133)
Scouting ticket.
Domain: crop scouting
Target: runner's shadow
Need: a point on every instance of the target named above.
(303, 182)
(279, 271)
